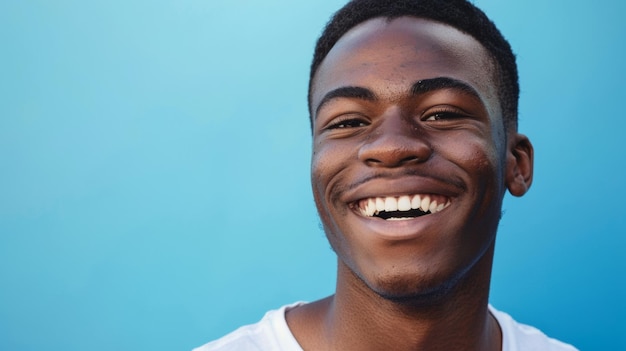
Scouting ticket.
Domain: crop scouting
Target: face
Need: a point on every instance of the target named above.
(410, 157)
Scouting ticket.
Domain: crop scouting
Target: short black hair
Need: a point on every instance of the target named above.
(459, 14)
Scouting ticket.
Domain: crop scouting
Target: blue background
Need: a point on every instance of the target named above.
(154, 171)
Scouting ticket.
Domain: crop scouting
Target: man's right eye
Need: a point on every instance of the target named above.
(348, 123)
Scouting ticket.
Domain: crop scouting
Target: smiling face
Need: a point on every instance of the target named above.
(410, 157)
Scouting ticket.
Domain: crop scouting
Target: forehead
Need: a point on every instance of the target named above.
(389, 56)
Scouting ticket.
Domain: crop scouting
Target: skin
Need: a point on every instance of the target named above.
(401, 108)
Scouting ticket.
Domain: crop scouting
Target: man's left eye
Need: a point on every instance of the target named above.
(438, 116)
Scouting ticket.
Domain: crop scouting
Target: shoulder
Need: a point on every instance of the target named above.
(270, 333)
(521, 337)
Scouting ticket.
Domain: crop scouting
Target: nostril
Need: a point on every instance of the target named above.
(372, 161)
(390, 163)
(410, 159)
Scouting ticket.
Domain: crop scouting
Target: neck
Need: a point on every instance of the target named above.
(357, 318)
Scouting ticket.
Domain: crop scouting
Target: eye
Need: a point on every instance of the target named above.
(347, 123)
(442, 115)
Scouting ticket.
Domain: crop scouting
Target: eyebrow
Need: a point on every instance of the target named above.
(346, 92)
(428, 85)
(420, 87)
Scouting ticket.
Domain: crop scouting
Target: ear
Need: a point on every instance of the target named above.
(519, 164)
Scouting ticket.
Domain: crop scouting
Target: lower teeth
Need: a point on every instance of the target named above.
(401, 215)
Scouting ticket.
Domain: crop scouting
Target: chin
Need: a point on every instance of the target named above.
(430, 286)
(412, 288)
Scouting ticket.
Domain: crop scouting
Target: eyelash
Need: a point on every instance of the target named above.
(347, 123)
(444, 114)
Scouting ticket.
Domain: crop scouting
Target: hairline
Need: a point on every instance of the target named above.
(495, 69)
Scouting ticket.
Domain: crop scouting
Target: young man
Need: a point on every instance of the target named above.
(413, 108)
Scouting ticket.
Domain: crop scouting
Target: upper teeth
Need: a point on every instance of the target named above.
(372, 206)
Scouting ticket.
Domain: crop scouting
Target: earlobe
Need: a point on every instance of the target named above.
(519, 165)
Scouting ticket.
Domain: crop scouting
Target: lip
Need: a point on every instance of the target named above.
(401, 230)
(399, 186)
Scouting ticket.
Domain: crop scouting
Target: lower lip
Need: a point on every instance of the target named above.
(397, 230)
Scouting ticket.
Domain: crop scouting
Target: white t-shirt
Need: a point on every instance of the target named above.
(273, 334)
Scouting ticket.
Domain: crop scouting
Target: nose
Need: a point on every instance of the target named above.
(395, 142)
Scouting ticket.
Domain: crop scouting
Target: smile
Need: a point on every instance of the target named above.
(404, 207)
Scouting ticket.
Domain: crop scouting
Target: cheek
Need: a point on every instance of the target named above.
(317, 181)
(320, 167)
(324, 167)
(483, 168)
(478, 159)
(329, 163)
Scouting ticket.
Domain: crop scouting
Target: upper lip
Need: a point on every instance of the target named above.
(398, 186)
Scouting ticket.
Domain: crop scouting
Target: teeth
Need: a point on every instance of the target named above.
(404, 203)
(372, 206)
(425, 205)
(370, 209)
(433, 207)
(380, 204)
(391, 204)
(416, 202)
